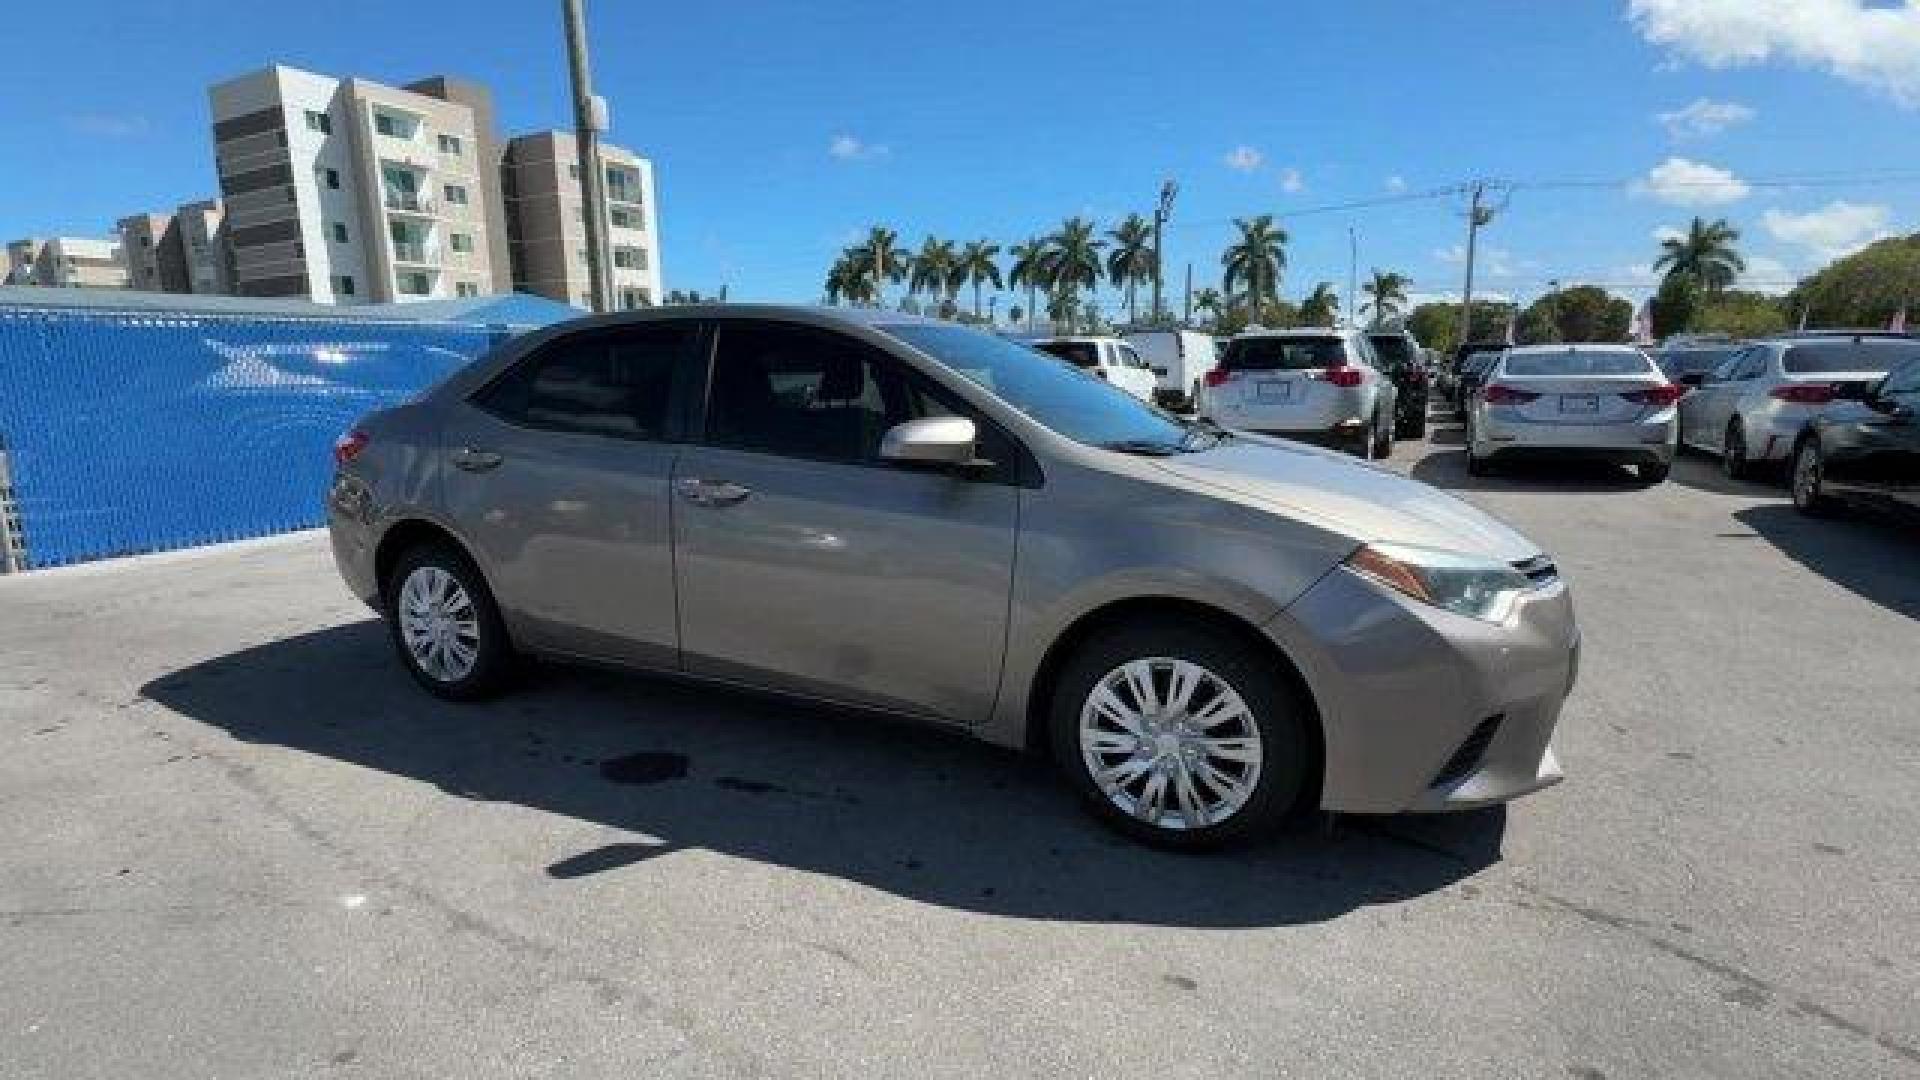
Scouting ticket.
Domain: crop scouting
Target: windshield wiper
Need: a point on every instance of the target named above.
(1143, 447)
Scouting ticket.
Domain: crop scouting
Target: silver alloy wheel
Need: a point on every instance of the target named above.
(1806, 475)
(1170, 743)
(439, 624)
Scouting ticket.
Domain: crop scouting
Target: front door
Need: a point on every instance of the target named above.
(807, 564)
(558, 472)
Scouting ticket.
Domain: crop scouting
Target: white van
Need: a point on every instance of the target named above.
(1180, 360)
(1107, 357)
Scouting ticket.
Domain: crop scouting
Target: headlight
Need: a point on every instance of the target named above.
(1470, 585)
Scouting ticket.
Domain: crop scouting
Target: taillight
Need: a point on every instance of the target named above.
(1497, 394)
(348, 446)
(1657, 396)
(1339, 376)
(1803, 393)
(1216, 376)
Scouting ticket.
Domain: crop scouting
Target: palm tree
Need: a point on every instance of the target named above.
(977, 267)
(885, 261)
(1704, 253)
(933, 269)
(1029, 270)
(849, 278)
(1210, 301)
(1073, 262)
(1131, 260)
(1387, 294)
(1321, 306)
(1255, 261)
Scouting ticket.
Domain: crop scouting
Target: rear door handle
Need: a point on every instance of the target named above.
(475, 460)
(707, 493)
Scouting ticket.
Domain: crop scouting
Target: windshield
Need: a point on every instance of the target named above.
(1577, 362)
(1084, 354)
(1284, 354)
(1393, 351)
(1076, 405)
(1847, 355)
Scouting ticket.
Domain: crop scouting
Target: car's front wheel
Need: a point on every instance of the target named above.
(1179, 734)
(1733, 453)
(1809, 480)
(445, 624)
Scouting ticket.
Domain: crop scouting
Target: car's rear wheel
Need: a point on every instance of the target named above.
(1654, 472)
(1809, 479)
(1179, 734)
(1382, 435)
(445, 624)
(1733, 453)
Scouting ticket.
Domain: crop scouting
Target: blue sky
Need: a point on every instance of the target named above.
(780, 131)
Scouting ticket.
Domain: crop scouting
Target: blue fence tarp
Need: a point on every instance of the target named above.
(135, 432)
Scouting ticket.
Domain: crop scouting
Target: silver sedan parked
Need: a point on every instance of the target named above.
(1591, 402)
(1208, 630)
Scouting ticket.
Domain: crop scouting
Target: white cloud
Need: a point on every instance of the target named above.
(1703, 117)
(848, 148)
(1244, 159)
(1664, 233)
(1766, 274)
(1875, 45)
(1291, 181)
(108, 125)
(1690, 183)
(1489, 260)
(1396, 183)
(1840, 228)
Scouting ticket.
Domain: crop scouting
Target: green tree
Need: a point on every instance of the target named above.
(1255, 261)
(1742, 314)
(1386, 295)
(1705, 253)
(1675, 305)
(1073, 263)
(1580, 313)
(1321, 307)
(1864, 289)
(933, 272)
(1130, 261)
(1209, 301)
(1437, 325)
(1029, 271)
(977, 267)
(884, 262)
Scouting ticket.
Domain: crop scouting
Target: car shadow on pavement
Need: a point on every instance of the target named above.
(1448, 469)
(923, 814)
(1877, 559)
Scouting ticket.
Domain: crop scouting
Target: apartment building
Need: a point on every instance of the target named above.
(350, 191)
(155, 256)
(546, 221)
(66, 262)
(203, 242)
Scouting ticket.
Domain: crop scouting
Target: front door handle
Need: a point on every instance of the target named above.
(475, 460)
(707, 493)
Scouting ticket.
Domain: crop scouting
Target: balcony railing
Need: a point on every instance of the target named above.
(411, 202)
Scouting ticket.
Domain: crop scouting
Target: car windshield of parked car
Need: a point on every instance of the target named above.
(1082, 354)
(1284, 354)
(1074, 404)
(1848, 355)
(1394, 351)
(1574, 363)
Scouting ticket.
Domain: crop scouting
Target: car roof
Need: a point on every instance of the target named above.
(1571, 347)
(1297, 332)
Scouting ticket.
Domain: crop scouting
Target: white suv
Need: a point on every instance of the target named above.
(1319, 385)
(1108, 358)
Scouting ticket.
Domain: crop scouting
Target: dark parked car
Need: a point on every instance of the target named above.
(1865, 452)
(1473, 373)
(1404, 362)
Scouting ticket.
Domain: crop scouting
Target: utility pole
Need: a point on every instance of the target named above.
(1187, 319)
(1553, 308)
(1479, 213)
(1160, 214)
(1353, 275)
(589, 119)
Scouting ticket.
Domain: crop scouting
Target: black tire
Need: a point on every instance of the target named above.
(1280, 716)
(1733, 453)
(493, 652)
(1809, 491)
(1415, 427)
(1382, 437)
(1478, 466)
(1654, 472)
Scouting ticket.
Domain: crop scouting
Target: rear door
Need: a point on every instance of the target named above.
(807, 564)
(557, 476)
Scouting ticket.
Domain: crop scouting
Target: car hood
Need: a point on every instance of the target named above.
(1370, 504)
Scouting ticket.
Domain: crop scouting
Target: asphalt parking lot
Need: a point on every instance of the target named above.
(235, 841)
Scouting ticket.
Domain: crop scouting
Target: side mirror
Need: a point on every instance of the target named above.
(932, 440)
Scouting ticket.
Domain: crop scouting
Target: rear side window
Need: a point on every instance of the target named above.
(1081, 354)
(1865, 354)
(1577, 363)
(616, 382)
(1284, 354)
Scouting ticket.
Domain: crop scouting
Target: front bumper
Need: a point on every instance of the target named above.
(1423, 710)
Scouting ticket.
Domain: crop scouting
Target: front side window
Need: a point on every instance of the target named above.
(612, 383)
(797, 391)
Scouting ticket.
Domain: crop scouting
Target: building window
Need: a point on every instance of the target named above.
(456, 194)
(624, 218)
(146, 241)
(460, 241)
(573, 170)
(344, 285)
(627, 258)
(320, 122)
(332, 177)
(580, 214)
(450, 144)
(466, 288)
(415, 283)
(582, 256)
(339, 232)
(385, 124)
(634, 298)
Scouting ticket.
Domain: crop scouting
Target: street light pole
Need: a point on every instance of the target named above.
(1353, 275)
(588, 121)
(1160, 214)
